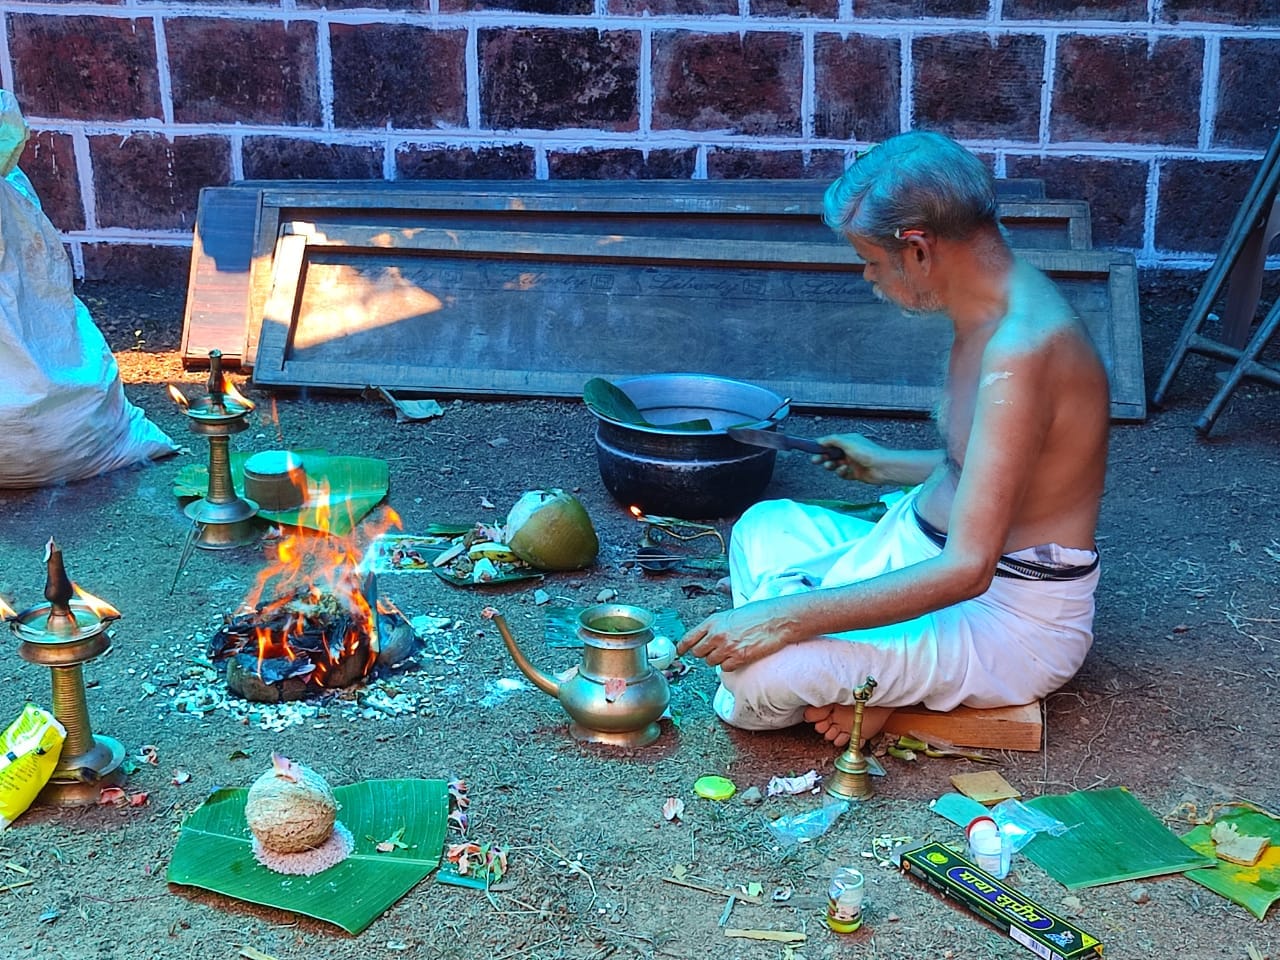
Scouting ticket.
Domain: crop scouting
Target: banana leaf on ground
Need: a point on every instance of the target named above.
(215, 852)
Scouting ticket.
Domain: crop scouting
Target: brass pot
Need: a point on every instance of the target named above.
(615, 697)
(275, 480)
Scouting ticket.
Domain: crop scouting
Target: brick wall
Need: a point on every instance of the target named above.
(1156, 111)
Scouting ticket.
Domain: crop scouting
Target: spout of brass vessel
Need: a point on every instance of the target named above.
(540, 679)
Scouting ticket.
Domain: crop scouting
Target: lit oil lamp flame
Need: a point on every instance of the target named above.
(178, 396)
(96, 605)
(234, 395)
(678, 528)
(6, 612)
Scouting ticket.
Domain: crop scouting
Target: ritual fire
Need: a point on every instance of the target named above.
(310, 623)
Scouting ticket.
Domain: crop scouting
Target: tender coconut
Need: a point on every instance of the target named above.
(290, 808)
(550, 530)
(661, 651)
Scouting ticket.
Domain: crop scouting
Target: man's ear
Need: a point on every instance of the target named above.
(917, 240)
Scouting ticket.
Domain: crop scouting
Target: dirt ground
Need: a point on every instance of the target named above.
(1176, 701)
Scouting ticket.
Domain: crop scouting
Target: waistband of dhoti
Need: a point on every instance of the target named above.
(1014, 568)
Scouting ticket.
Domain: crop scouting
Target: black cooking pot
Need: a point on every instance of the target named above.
(691, 474)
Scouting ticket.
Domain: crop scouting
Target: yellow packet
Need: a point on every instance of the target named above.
(31, 747)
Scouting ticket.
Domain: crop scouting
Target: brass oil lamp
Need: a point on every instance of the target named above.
(64, 634)
(852, 780)
(615, 696)
(222, 519)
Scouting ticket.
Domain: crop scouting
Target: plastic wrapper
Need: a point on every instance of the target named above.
(31, 747)
(1019, 823)
(803, 827)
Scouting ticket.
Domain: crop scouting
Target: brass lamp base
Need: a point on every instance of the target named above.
(223, 525)
(78, 781)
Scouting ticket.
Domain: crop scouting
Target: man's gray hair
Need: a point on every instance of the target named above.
(917, 180)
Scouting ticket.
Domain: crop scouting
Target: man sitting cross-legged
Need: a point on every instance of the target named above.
(977, 586)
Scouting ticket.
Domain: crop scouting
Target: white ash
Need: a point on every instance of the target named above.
(200, 691)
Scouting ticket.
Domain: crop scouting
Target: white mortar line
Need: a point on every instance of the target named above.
(1148, 249)
(471, 62)
(6, 61)
(1046, 89)
(364, 136)
(723, 24)
(644, 85)
(1209, 90)
(906, 102)
(84, 174)
(236, 146)
(389, 145)
(324, 73)
(808, 86)
(163, 80)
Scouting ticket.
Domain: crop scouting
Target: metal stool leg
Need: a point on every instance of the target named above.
(1258, 201)
(1246, 365)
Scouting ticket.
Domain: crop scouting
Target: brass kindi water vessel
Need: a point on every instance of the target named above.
(615, 696)
(64, 634)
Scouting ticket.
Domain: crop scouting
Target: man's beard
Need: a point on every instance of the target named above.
(924, 305)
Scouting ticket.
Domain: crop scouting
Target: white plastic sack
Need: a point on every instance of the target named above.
(63, 411)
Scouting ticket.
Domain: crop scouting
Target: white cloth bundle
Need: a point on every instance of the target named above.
(63, 411)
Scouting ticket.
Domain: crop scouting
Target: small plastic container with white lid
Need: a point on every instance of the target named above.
(988, 846)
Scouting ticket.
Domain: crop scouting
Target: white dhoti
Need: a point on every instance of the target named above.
(1015, 643)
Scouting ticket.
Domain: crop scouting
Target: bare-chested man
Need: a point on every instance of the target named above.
(977, 586)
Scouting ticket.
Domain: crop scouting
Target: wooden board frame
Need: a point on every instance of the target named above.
(770, 209)
(237, 227)
(508, 313)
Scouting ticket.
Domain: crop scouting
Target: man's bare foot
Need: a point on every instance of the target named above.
(835, 721)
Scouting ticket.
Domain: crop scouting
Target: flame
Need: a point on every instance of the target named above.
(234, 395)
(178, 396)
(95, 605)
(6, 612)
(314, 571)
(636, 512)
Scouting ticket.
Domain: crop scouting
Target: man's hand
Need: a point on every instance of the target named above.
(734, 638)
(865, 460)
(862, 459)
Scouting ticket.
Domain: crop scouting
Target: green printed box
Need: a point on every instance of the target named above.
(1043, 933)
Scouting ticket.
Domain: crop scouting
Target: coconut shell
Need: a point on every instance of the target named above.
(551, 530)
(291, 810)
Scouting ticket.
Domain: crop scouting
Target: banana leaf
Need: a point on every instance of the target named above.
(215, 852)
(1255, 888)
(610, 402)
(1113, 837)
(502, 578)
(355, 486)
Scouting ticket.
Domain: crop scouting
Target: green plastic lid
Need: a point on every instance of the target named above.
(714, 788)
